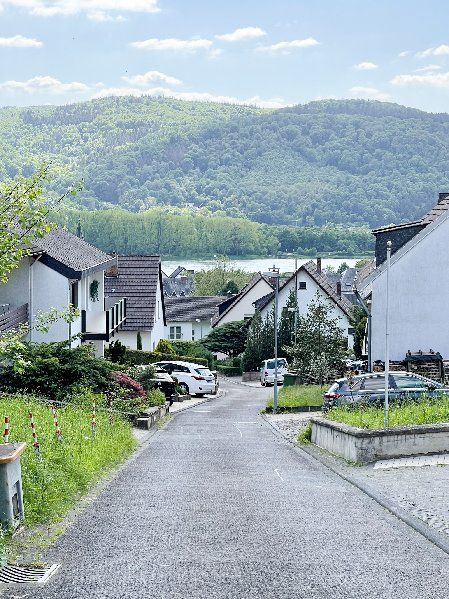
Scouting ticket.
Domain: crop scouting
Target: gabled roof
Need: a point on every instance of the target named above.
(321, 280)
(252, 283)
(137, 279)
(70, 255)
(178, 270)
(188, 309)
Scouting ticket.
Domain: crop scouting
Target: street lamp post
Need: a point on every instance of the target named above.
(387, 337)
(274, 274)
(201, 327)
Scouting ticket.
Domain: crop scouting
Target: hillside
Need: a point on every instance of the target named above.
(349, 162)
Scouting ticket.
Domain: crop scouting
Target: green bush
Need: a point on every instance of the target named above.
(138, 357)
(145, 376)
(68, 468)
(164, 347)
(229, 370)
(156, 398)
(193, 349)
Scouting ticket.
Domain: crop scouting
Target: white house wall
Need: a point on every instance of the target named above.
(245, 307)
(305, 296)
(129, 339)
(419, 288)
(190, 330)
(158, 331)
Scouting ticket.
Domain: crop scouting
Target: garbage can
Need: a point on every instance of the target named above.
(11, 495)
(289, 379)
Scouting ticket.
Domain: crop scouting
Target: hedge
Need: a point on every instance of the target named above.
(138, 357)
(229, 370)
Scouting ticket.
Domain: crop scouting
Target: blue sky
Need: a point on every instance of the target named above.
(259, 51)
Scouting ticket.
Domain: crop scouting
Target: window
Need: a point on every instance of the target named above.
(410, 382)
(376, 383)
(175, 333)
(302, 285)
(74, 294)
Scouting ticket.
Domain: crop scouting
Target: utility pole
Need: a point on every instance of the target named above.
(273, 273)
(387, 337)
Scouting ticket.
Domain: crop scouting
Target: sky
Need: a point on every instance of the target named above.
(263, 52)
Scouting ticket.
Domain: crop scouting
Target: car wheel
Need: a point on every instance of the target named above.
(183, 387)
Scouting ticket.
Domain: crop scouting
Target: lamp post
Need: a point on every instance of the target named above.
(201, 327)
(387, 337)
(273, 273)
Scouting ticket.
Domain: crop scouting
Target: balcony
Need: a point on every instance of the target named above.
(101, 325)
(11, 318)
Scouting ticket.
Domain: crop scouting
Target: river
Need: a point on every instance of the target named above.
(254, 264)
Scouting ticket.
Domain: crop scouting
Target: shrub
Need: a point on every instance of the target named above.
(132, 387)
(116, 352)
(139, 340)
(140, 358)
(145, 376)
(229, 370)
(156, 398)
(164, 347)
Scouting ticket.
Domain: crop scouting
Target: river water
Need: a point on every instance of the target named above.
(254, 265)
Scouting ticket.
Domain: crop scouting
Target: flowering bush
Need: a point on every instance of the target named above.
(132, 388)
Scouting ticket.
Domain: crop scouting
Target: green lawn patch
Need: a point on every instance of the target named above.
(298, 396)
(428, 411)
(68, 468)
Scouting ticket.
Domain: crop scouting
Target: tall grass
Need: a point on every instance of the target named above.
(427, 411)
(298, 396)
(67, 469)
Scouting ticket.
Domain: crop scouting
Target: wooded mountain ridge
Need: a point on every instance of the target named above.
(349, 162)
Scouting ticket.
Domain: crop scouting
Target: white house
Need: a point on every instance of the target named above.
(241, 306)
(62, 269)
(308, 280)
(418, 283)
(139, 280)
(189, 318)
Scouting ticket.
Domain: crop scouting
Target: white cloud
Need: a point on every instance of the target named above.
(440, 80)
(99, 10)
(189, 96)
(369, 92)
(404, 54)
(173, 44)
(366, 66)
(430, 68)
(45, 84)
(151, 77)
(242, 34)
(288, 47)
(19, 41)
(442, 50)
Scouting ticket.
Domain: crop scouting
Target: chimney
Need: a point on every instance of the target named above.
(339, 289)
(442, 197)
(318, 265)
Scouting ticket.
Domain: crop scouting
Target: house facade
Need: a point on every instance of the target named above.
(189, 318)
(62, 270)
(139, 279)
(306, 282)
(417, 286)
(241, 306)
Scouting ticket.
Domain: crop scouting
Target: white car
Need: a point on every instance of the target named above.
(194, 379)
(267, 371)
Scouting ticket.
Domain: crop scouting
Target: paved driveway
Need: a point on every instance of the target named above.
(217, 506)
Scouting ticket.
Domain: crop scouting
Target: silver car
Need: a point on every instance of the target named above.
(370, 389)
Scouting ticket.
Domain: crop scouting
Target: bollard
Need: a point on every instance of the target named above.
(11, 496)
(35, 439)
(6, 433)
(56, 423)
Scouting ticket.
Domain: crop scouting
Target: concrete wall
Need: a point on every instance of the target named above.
(364, 446)
(244, 308)
(16, 291)
(305, 296)
(419, 289)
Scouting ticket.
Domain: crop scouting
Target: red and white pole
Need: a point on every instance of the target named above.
(6, 433)
(56, 423)
(35, 439)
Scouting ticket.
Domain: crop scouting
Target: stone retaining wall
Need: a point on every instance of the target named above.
(250, 376)
(152, 416)
(369, 445)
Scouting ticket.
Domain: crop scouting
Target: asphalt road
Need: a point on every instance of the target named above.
(218, 506)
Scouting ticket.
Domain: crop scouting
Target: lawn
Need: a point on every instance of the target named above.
(68, 468)
(428, 411)
(298, 396)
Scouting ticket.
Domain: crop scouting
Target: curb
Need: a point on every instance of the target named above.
(424, 530)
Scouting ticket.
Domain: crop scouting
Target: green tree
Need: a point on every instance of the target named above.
(260, 342)
(287, 324)
(139, 340)
(343, 266)
(165, 347)
(358, 322)
(228, 339)
(215, 280)
(321, 348)
(230, 288)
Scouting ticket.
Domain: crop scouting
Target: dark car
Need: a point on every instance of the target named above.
(370, 389)
(165, 383)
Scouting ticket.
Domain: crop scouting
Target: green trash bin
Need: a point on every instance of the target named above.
(289, 379)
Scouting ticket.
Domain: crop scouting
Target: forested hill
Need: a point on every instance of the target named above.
(346, 162)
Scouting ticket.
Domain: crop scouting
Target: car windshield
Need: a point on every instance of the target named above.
(281, 363)
(204, 371)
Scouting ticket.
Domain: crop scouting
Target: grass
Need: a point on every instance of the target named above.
(298, 396)
(67, 469)
(427, 411)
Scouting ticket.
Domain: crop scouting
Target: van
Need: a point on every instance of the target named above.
(267, 371)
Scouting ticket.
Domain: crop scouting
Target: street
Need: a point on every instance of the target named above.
(219, 506)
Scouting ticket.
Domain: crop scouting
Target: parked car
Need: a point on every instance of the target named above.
(166, 384)
(194, 379)
(370, 388)
(267, 369)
